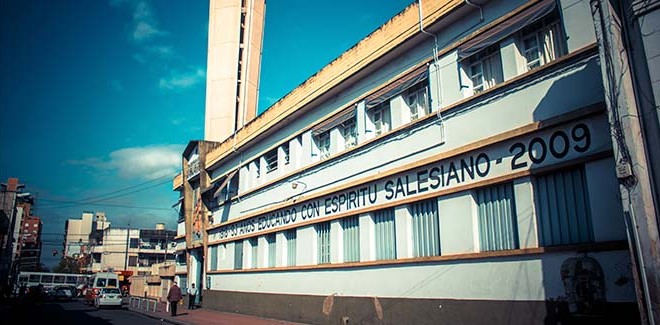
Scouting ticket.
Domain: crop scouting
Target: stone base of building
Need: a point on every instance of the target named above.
(371, 310)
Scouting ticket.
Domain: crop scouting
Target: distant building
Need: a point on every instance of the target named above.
(79, 234)
(132, 250)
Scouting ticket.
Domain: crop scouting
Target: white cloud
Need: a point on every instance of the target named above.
(181, 80)
(145, 30)
(148, 162)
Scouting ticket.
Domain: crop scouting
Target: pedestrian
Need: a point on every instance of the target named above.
(174, 296)
(192, 292)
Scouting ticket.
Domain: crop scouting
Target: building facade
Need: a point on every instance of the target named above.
(455, 166)
(81, 234)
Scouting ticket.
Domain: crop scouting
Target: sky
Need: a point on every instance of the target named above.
(98, 98)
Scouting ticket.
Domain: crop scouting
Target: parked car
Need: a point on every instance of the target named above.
(108, 297)
(65, 292)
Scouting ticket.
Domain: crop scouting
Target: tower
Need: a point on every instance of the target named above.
(233, 64)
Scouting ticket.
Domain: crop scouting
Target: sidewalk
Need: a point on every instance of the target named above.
(202, 316)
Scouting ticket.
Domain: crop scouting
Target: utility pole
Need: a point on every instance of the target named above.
(128, 232)
(633, 128)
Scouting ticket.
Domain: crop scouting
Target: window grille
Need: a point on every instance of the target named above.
(254, 245)
(291, 247)
(238, 255)
(385, 235)
(213, 256)
(272, 249)
(323, 234)
(271, 160)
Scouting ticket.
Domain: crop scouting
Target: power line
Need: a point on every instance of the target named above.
(72, 203)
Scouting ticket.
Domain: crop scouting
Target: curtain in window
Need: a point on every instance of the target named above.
(254, 244)
(272, 250)
(385, 234)
(291, 247)
(426, 229)
(497, 218)
(213, 256)
(238, 255)
(562, 208)
(351, 236)
(404, 82)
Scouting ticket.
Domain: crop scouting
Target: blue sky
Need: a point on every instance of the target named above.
(99, 97)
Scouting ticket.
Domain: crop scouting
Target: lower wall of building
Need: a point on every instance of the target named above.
(372, 310)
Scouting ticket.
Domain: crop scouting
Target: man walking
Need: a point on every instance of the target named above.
(192, 292)
(174, 296)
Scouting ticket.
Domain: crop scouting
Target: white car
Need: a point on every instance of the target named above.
(108, 297)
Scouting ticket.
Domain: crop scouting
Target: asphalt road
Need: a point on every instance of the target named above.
(68, 312)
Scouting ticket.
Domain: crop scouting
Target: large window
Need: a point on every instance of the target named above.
(323, 242)
(542, 42)
(417, 100)
(497, 218)
(349, 133)
(271, 160)
(272, 249)
(351, 226)
(132, 261)
(562, 208)
(380, 117)
(134, 242)
(425, 228)
(291, 247)
(323, 144)
(484, 69)
(238, 255)
(385, 235)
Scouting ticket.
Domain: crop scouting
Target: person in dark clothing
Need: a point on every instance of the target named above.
(174, 296)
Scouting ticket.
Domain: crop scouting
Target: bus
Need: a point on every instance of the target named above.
(51, 280)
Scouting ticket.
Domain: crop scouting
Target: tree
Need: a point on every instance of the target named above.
(67, 265)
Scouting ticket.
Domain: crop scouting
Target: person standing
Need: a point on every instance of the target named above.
(192, 293)
(174, 296)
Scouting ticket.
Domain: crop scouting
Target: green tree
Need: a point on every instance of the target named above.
(67, 265)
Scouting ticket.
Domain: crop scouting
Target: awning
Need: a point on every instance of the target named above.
(506, 28)
(224, 183)
(404, 82)
(335, 120)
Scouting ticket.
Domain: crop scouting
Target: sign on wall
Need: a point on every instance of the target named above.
(538, 149)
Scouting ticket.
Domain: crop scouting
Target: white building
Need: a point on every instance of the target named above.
(456, 168)
(79, 234)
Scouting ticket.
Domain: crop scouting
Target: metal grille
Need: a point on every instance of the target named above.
(562, 208)
(497, 218)
(323, 232)
(385, 234)
(426, 234)
(351, 236)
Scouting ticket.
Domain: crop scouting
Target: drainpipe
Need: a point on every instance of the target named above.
(481, 11)
(435, 58)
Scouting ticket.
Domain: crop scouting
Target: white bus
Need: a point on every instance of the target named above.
(50, 280)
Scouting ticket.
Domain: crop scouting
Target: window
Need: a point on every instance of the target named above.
(380, 117)
(426, 230)
(417, 100)
(134, 242)
(562, 208)
(254, 244)
(497, 218)
(323, 234)
(542, 42)
(285, 150)
(238, 255)
(385, 235)
(132, 260)
(323, 143)
(271, 160)
(351, 226)
(272, 249)
(291, 247)
(213, 256)
(485, 69)
(349, 133)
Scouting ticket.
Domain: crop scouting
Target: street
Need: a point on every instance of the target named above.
(70, 312)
